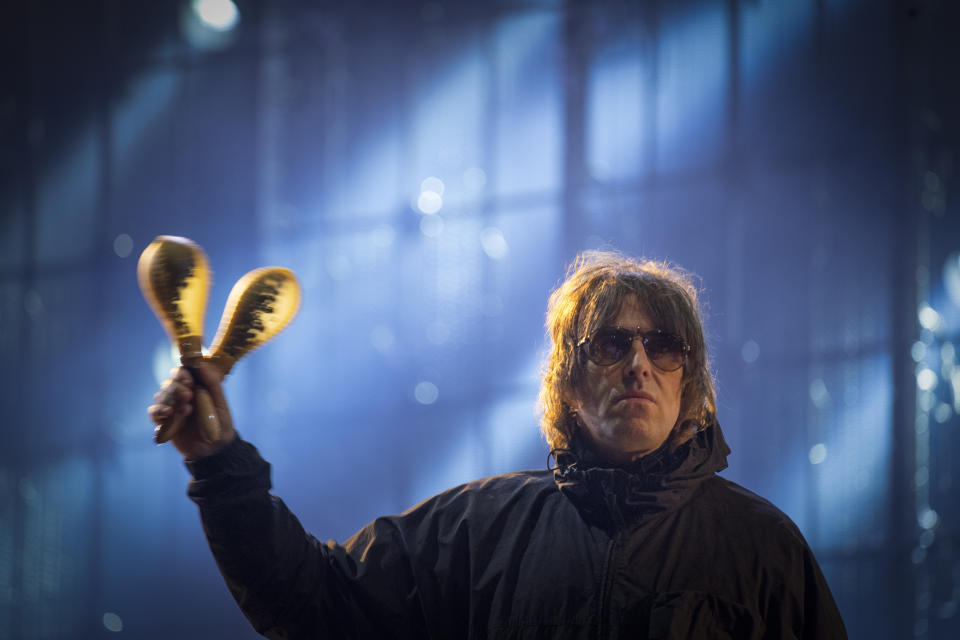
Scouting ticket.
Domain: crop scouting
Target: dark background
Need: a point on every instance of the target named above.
(799, 156)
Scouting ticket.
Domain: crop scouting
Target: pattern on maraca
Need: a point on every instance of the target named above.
(257, 301)
(173, 266)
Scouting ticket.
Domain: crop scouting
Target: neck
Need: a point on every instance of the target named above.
(616, 456)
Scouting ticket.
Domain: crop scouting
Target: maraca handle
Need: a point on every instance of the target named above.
(207, 422)
(206, 419)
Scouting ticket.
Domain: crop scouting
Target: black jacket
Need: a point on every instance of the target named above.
(662, 549)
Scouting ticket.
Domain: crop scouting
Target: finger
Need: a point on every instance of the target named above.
(167, 430)
(159, 412)
(178, 406)
(173, 393)
(165, 395)
(183, 376)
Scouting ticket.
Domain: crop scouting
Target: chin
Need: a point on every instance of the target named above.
(644, 440)
(630, 439)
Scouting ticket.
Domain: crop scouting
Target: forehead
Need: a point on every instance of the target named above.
(632, 314)
(631, 303)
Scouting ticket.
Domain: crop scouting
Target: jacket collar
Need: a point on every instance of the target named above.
(660, 481)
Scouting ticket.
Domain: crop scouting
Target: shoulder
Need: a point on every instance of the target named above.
(796, 596)
(493, 491)
(511, 482)
(750, 514)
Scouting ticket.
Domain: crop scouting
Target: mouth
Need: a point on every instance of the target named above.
(636, 396)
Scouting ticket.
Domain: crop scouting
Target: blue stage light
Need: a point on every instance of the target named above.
(219, 15)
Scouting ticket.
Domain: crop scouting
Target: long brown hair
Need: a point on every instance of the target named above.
(595, 288)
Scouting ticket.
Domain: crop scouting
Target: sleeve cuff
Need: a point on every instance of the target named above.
(232, 475)
(236, 459)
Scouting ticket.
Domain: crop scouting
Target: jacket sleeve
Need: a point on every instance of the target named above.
(288, 584)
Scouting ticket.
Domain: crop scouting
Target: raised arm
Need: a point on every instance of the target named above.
(288, 584)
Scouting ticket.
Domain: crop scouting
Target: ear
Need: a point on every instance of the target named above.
(572, 419)
(571, 400)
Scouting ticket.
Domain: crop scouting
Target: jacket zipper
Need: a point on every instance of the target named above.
(606, 588)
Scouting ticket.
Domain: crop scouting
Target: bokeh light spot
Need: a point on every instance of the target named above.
(382, 339)
(928, 518)
(943, 412)
(431, 226)
(948, 354)
(818, 453)
(955, 385)
(429, 202)
(926, 379)
(951, 277)
(750, 351)
(948, 609)
(493, 243)
(426, 392)
(433, 184)
(220, 15)
(819, 394)
(112, 622)
(929, 318)
(123, 245)
(919, 555)
(921, 477)
(474, 179)
(918, 351)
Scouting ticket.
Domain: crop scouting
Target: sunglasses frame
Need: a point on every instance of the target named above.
(644, 336)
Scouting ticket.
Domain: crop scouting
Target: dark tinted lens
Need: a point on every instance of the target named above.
(665, 350)
(609, 345)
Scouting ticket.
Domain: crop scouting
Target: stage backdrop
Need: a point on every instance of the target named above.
(429, 170)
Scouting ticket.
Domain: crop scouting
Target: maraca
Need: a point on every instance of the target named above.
(260, 305)
(175, 280)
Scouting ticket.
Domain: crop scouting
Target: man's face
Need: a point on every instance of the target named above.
(628, 408)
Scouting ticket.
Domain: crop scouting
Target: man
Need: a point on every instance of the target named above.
(632, 535)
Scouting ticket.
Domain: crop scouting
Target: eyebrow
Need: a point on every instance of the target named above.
(631, 328)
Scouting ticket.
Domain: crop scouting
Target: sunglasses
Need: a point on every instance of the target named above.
(609, 345)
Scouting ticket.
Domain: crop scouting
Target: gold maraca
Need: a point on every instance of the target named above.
(260, 305)
(174, 277)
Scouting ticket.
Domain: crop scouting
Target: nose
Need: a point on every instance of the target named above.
(637, 364)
